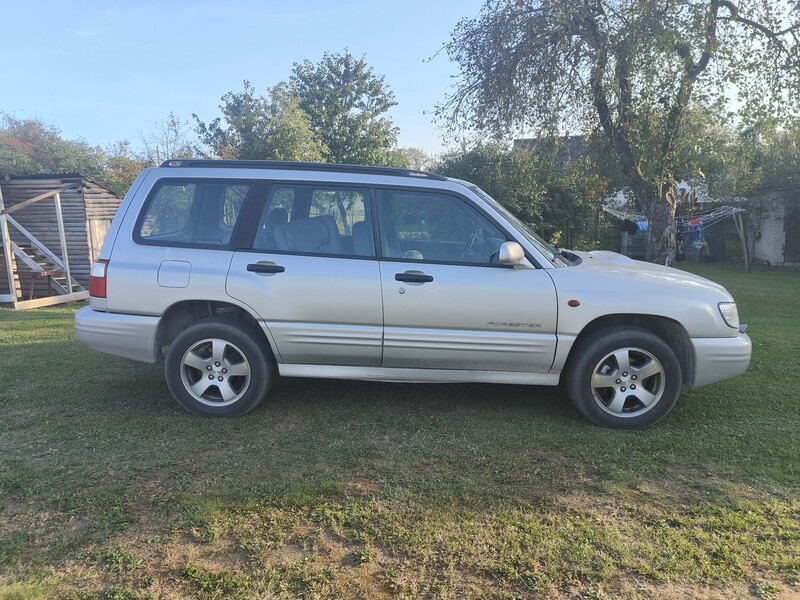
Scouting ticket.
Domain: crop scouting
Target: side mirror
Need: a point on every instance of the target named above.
(511, 253)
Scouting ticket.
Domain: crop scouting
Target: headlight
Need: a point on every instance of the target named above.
(730, 313)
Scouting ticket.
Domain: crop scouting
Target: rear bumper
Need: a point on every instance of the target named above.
(718, 359)
(130, 336)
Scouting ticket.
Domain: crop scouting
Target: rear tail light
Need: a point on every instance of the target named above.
(97, 279)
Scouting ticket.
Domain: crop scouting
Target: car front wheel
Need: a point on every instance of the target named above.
(218, 368)
(626, 378)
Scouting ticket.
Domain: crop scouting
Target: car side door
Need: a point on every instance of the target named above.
(447, 303)
(312, 275)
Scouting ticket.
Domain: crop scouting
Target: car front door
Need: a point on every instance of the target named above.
(312, 275)
(447, 303)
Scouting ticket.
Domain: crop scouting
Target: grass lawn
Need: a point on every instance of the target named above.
(351, 489)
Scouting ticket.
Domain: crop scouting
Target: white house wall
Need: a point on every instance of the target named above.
(770, 239)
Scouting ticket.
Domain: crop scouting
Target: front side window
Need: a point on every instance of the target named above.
(192, 213)
(547, 249)
(316, 219)
(435, 227)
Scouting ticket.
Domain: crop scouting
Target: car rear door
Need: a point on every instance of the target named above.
(312, 275)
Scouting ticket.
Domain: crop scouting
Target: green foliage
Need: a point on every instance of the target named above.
(119, 559)
(763, 157)
(765, 590)
(292, 135)
(218, 585)
(122, 166)
(558, 199)
(347, 105)
(29, 146)
(701, 153)
(416, 158)
(261, 128)
(332, 111)
(534, 62)
(630, 71)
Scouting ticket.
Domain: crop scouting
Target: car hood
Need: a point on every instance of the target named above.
(613, 264)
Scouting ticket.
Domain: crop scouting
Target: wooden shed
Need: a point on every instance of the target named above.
(52, 228)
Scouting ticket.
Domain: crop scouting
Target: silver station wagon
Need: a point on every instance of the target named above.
(237, 271)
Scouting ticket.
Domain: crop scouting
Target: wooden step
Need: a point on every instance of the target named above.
(39, 284)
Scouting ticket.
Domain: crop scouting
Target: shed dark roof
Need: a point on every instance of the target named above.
(63, 177)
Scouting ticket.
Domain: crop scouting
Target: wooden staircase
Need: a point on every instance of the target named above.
(37, 280)
(45, 281)
(34, 275)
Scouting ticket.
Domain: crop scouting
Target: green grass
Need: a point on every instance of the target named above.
(352, 489)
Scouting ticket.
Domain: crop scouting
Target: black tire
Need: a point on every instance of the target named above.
(627, 378)
(219, 368)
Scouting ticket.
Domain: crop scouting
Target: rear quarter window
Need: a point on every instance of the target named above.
(192, 213)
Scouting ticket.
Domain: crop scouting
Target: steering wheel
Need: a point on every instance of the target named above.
(470, 242)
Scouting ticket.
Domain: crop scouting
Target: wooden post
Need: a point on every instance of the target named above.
(63, 238)
(44, 196)
(737, 219)
(8, 254)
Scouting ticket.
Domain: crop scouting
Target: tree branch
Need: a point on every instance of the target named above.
(775, 36)
(622, 74)
(692, 71)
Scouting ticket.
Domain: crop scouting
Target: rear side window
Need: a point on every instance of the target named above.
(345, 206)
(192, 213)
(316, 219)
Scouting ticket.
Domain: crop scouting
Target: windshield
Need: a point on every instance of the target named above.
(547, 249)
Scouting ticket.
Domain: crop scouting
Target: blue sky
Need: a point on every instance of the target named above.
(105, 71)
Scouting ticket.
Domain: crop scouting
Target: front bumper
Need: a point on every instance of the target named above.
(130, 336)
(718, 359)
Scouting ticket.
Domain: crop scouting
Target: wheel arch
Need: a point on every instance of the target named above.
(668, 330)
(183, 314)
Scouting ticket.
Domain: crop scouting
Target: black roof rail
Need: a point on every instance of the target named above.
(300, 166)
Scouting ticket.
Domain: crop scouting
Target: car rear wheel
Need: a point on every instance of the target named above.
(626, 378)
(219, 368)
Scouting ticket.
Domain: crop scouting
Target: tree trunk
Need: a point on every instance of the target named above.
(658, 205)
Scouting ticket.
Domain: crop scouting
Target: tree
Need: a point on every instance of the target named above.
(261, 128)
(763, 161)
(628, 70)
(347, 104)
(765, 158)
(122, 166)
(558, 199)
(29, 146)
(417, 158)
(292, 136)
(168, 138)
